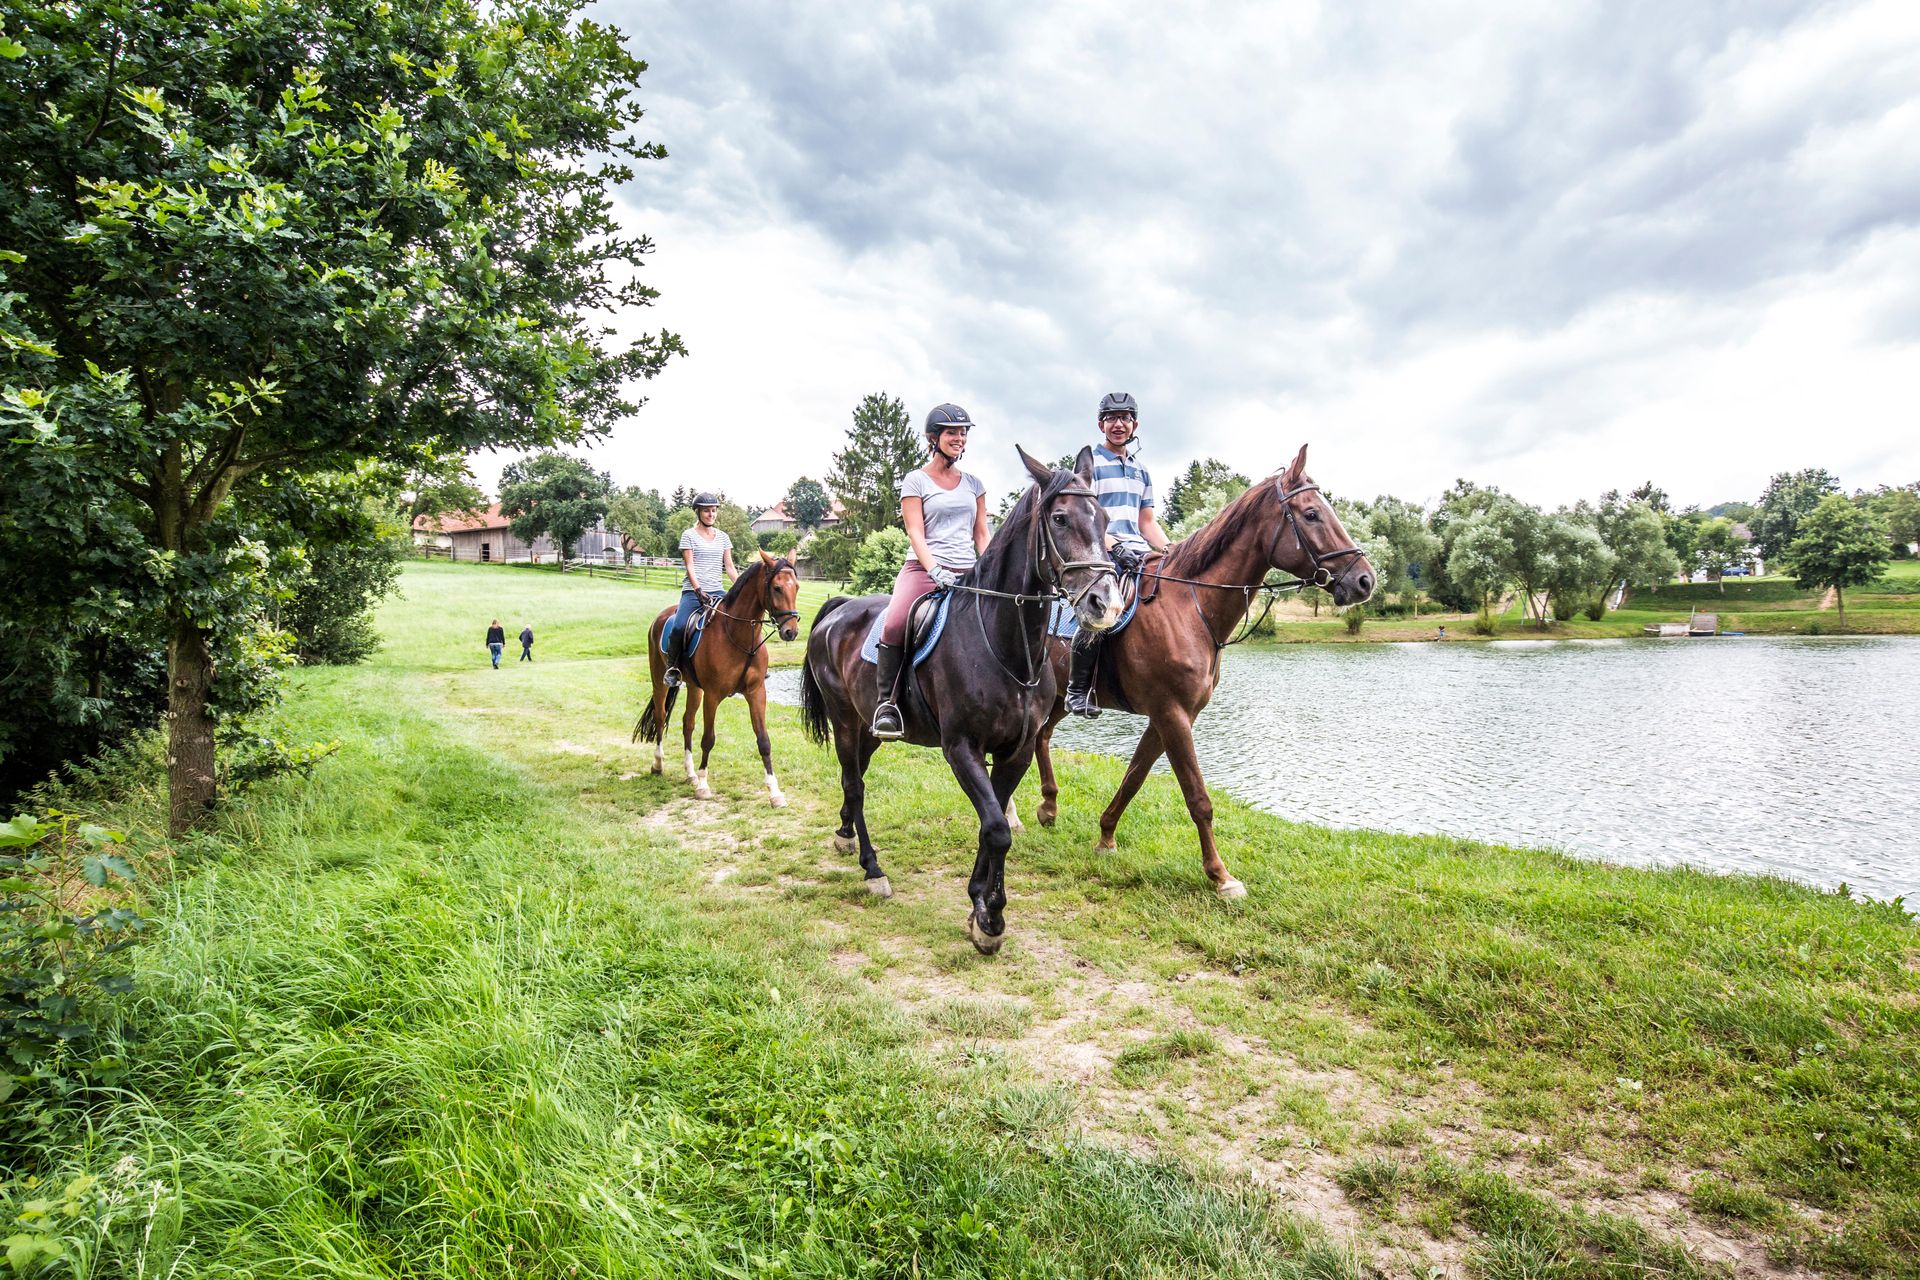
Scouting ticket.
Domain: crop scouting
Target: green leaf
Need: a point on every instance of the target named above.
(10, 48)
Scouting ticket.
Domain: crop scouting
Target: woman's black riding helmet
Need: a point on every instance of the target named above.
(946, 417)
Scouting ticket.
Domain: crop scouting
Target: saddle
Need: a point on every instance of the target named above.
(925, 623)
(699, 624)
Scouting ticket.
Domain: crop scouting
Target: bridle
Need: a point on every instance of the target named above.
(763, 628)
(1321, 577)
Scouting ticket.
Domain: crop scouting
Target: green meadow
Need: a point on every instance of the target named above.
(484, 997)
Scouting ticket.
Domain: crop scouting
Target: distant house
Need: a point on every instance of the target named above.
(775, 518)
(1751, 561)
(488, 538)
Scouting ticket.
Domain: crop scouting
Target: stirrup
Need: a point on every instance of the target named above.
(673, 677)
(1081, 703)
(886, 722)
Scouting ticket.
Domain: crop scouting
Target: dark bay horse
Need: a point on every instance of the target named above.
(987, 686)
(732, 658)
(1166, 662)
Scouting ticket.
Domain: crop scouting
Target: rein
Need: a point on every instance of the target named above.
(765, 627)
(1322, 576)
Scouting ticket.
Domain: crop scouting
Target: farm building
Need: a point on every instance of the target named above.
(488, 538)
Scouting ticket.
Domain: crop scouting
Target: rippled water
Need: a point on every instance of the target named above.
(1790, 756)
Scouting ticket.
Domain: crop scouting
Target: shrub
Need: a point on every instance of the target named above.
(1483, 624)
(1597, 608)
(1354, 618)
(62, 928)
(878, 562)
(779, 541)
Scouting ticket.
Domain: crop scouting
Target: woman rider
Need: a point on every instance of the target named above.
(945, 511)
(707, 552)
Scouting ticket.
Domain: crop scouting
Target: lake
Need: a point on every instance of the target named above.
(1790, 756)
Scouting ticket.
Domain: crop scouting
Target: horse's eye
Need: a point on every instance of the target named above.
(1313, 515)
(1060, 519)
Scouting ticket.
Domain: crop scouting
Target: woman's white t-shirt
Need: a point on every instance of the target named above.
(948, 515)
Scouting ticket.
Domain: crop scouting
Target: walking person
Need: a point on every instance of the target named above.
(945, 512)
(707, 552)
(1126, 494)
(526, 643)
(496, 642)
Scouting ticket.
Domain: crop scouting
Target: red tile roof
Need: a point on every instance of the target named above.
(456, 522)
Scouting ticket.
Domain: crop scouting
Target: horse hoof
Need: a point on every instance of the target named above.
(879, 887)
(1046, 815)
(983, 942)
(1016, 827)
(845, 844)
(1104, 845)
(1231, 888)
(777, 801)
(703, 793)
(655, 769)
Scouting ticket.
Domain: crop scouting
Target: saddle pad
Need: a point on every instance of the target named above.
(870, 647)
(1062, 621)
(693, 642)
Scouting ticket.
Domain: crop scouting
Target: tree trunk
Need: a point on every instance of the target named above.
(190, 763)
(1840, 603)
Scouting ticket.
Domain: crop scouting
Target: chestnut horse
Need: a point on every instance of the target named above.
(732, 658)
(1166, 662)
(985, 689)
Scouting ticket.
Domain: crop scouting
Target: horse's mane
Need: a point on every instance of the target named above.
(1198, 550)
(1004, 542)
(752, 573)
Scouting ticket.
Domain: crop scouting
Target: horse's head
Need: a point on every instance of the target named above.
(1312, 544)
(1066, 542)
(781, 597)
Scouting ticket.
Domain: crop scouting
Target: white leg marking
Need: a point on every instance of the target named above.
(1013, 817)
(700, 787)
(773, 792)
(690, 775)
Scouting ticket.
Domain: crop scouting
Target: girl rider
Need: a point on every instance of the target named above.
(708, 554)
(945, 511)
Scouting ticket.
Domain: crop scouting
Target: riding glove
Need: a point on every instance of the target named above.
(943, 576)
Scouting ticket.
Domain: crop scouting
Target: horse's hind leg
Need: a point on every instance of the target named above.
(1144, 754)
(855, 749)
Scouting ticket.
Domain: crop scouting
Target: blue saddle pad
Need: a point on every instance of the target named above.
(1061, 621)
(699, 621)
(870, 647)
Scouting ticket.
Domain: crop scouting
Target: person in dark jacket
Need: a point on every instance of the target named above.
(526, 643)
(496, 642)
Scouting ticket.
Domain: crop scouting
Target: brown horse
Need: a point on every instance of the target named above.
(732, 658)
(1166, 662)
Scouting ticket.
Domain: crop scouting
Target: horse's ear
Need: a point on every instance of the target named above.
(1083, 463)
(766, 558)
(1040, 471)
(1295, 469)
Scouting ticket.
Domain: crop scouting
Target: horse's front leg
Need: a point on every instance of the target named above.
(757, 709)
(686, 731)
(700, 787)
(1049, 786)
(986, 888)
(1144, 754)
(1178, 736)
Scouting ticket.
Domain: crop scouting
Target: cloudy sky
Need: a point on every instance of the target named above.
(1558, 248)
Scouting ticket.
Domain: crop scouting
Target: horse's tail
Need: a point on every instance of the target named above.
(650, 727)
(813, 704)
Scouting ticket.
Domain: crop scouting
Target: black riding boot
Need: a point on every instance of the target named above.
(886, 715)
(1080, 676)
(676, 654)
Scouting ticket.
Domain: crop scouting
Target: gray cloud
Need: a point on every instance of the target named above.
(1274, 210)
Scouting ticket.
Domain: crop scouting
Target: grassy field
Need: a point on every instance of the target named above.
(1756, 606)
(483, 997)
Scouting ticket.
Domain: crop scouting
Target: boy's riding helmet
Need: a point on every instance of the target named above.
(705, 500)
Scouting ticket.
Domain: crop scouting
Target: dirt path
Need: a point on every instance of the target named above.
(1162, 1056)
